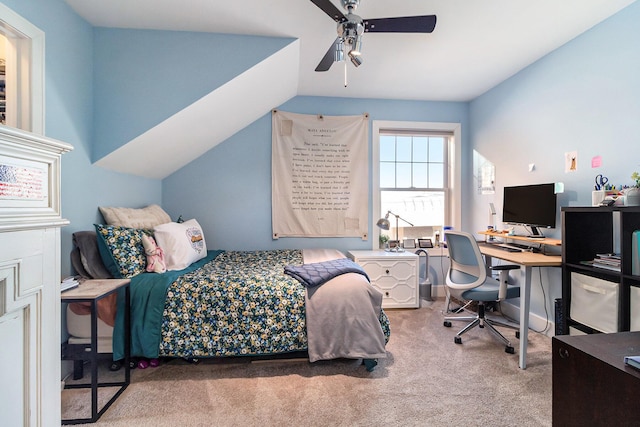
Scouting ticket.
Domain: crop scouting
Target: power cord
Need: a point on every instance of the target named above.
(546, 311)
(544, 297)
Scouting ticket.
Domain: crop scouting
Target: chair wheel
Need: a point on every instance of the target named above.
(457, 340)
(509, 350)
(518, 334)
(447, 323)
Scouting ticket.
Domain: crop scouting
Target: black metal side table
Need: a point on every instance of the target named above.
(92, 291)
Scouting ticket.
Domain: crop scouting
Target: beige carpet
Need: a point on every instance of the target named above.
(426, 380)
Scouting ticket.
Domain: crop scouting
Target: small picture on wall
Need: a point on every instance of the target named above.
(570, 161)
(393, 244)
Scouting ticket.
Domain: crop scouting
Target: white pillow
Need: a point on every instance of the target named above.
(182, 243)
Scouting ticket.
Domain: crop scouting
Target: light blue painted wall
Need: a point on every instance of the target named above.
(228, 189)
(583, 97)
(143, 77)
(69, 104)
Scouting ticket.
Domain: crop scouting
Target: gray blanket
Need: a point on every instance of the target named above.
(342, 315)
(85, 257)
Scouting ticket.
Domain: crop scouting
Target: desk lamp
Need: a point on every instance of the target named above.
(384, 224)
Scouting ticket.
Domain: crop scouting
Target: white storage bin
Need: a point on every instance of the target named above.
(594, 302)
(634, 300)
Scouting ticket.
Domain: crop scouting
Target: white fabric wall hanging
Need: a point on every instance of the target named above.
(320, 175)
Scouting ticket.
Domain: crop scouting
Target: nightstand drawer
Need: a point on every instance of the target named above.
(386, 274)
(395, 275)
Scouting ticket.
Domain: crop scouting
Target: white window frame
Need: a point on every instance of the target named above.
(24, 72)
(454, 167)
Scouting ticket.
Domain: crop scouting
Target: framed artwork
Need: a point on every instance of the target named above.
(425, 243)
(409, 243)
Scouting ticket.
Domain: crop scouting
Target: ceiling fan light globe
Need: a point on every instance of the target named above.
(356, 47)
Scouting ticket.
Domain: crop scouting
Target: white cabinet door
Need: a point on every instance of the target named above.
(29, 327)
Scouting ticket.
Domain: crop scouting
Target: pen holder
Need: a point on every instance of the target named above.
(597, 196)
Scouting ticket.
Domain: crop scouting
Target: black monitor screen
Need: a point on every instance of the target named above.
(533, 205)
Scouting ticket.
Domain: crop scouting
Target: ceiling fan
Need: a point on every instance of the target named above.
(351, 27)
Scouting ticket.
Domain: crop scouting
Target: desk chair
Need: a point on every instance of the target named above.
(468, 277)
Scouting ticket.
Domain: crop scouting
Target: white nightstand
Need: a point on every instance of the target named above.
(395, 274)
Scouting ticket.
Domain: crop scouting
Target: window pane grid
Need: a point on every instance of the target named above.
(412, 162)
(413, 183)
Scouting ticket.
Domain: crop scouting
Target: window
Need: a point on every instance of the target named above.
(415, 177)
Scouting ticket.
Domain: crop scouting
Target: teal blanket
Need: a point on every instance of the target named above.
(148, 293)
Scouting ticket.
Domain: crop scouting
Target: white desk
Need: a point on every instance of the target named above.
(527, 260)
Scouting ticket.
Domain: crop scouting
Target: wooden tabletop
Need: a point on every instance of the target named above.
(93, 289)
(610, 348)
(531, 259)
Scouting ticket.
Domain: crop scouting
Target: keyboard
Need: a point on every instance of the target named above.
(510, 247)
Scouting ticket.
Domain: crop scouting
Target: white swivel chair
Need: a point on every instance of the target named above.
(468, 277)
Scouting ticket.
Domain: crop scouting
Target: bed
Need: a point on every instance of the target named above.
(236, 303)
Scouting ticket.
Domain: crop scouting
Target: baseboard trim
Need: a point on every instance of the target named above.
(537, 323)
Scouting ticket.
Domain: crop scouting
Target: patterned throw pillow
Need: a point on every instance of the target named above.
(121, 249)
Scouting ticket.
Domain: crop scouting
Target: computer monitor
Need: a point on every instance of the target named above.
(533, 206)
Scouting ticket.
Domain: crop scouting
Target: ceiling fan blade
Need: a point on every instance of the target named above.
(406, 24)
(329, 58)
(330, 9)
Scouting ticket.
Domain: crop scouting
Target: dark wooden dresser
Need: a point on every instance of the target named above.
(591, 384)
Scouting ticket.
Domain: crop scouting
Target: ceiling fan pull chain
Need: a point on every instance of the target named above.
(345, 73)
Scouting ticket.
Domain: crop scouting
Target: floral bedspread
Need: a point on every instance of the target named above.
(240, 303)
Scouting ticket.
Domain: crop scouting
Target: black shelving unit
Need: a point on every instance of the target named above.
(587, 231)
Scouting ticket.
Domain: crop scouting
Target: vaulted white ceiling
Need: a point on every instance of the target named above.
(475, 46)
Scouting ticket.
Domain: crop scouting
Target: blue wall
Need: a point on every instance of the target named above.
(228, 189)
(583, 97)
(143, 77)
(69, 103)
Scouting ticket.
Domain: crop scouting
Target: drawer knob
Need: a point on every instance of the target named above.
(386, 294)
(564, 353)
(387, 271)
